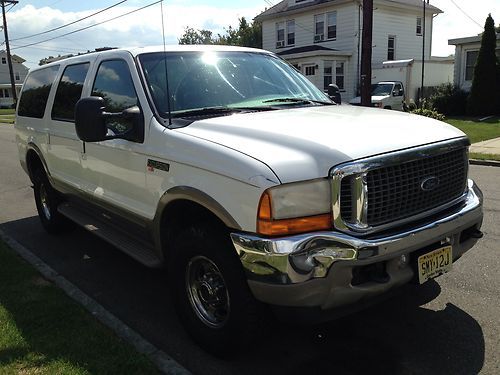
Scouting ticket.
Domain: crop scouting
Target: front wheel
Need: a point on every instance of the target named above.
(210, 292)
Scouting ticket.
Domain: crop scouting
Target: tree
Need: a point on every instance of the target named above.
(192, 36)
(482, 99)
(246, 35)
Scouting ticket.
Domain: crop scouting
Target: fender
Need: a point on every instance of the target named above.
(194, 195)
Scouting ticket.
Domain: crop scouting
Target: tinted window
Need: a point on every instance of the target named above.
(69, 92)
(36, 91)
(114, 84)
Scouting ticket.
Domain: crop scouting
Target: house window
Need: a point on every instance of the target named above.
(290, 32)
(331, 19)
(419, 25)
(4, 60)
(331, 67)
(470, 62)
(319, 28)
(18, 77)
(391, 47)
(6, 93)
(310, 70)
(280, 34)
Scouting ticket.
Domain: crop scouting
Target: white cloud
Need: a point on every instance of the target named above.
(138, 29)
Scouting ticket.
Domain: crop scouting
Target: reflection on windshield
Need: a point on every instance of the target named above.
(198, 80)
(381, 89)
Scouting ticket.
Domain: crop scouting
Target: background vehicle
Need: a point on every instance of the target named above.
(387, 95)
(232, 170)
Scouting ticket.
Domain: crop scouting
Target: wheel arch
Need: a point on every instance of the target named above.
(184, 206)
(35, 160)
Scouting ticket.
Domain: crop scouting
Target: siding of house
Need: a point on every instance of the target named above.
(402, 24)
(5, 87)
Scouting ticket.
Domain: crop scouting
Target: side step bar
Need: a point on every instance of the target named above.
(139, 250)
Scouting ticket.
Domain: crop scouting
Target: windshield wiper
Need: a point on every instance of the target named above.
(297, 100)
(205, 111)
(208, 111)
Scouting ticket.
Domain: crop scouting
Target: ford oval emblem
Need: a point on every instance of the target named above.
(429, 183)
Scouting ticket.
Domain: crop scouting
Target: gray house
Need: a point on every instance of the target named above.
(20, 72)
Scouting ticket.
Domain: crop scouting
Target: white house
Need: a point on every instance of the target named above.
(20, 72)
(323, 37)
(466, 52)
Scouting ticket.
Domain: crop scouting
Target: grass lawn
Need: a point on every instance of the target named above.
(4, 111)
(43, 331)
(477, 130)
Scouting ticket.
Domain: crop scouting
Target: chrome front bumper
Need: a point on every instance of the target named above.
(316, 269)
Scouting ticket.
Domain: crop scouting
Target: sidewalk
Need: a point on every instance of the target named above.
(491, 147)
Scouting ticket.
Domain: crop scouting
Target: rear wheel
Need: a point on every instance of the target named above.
(210, 291)
(47, 200)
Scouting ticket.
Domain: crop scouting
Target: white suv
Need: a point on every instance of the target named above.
(245, 181)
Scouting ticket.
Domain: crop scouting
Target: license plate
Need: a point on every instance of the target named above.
(434, 263)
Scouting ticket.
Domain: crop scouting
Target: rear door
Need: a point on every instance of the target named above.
(66, 149)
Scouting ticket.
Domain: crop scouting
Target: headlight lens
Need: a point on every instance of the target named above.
(295, 208)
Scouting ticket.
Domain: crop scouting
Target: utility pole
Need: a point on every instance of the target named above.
(366, 54)
(421, 98)
(7, 47)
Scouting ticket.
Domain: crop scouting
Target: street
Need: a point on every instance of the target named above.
(450, 325)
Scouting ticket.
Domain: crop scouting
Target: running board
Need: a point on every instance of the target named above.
(139, 250)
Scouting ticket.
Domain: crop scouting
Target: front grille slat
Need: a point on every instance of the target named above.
(395, 193)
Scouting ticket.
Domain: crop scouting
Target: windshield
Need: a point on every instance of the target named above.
(381, 89)
(200, 80)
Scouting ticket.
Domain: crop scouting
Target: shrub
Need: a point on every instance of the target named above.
(449, 100)
(428, 113)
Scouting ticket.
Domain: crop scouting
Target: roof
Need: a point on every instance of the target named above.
(14, 57)
(314, 47)
(468, 39)
(284, 6)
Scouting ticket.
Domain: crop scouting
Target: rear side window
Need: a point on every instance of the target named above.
(69, 92)
(36, 91)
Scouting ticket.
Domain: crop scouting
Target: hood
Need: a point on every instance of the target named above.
(304, 143)
(375, 99)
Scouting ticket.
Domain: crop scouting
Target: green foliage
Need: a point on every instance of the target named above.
(449, 100)
(246, 35)
(482, 99)
(428, 113)
(476, 130)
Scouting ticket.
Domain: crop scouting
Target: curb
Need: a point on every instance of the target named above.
(489, 163)
(163, 361)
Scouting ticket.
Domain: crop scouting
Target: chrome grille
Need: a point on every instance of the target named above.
(383, 191)
(396, 192)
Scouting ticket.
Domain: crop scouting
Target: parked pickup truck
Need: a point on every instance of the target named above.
(387, 95)
(229, 168)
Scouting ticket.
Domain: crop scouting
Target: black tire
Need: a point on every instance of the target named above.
(47, 200)
(235, 323)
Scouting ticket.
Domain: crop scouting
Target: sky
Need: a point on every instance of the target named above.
(143, 27)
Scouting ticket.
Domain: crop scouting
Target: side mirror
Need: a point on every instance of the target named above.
(89, 120)
(91, 126)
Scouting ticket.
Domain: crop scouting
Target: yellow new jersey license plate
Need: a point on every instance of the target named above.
(434, 263)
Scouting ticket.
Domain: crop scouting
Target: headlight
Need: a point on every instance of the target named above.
(295, 208)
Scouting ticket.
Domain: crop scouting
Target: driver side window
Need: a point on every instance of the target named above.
(114, 84)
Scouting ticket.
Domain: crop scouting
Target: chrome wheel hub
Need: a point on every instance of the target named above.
(44, 200)
(207, 291)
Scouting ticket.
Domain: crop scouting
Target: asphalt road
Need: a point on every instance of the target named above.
(447, 326)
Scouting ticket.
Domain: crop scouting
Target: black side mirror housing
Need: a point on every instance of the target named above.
(90, 121)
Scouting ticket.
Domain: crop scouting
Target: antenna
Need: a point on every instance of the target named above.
(166, 67)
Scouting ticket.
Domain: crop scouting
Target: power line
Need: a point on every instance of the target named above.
(465, 14)
(88, 27)
(12, 6)
(71, 23)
